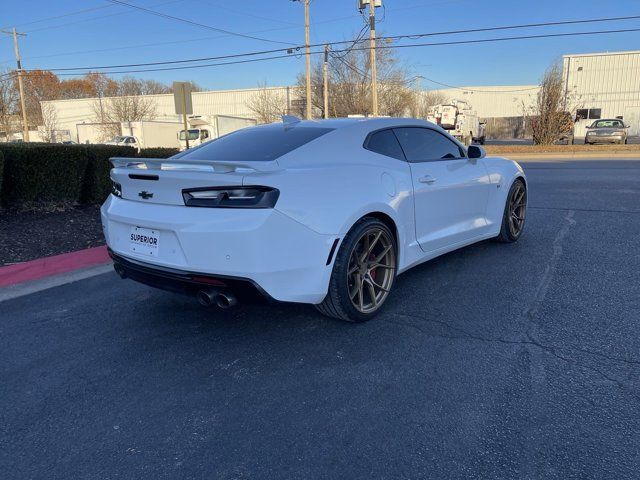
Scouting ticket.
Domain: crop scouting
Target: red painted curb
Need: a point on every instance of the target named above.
(47, 266)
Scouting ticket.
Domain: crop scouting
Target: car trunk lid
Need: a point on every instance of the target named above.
(162, 181)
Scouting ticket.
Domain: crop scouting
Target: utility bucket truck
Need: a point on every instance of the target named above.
(203, 128)
(459, 120)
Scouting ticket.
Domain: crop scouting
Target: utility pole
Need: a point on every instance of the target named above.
(372, 60)
(419, 98)
(25, 124)
(325, 81)
(307, 48)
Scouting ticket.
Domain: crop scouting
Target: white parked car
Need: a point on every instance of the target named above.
(322, 212)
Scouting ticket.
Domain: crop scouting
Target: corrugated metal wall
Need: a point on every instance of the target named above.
(606, 81)
(495, 102)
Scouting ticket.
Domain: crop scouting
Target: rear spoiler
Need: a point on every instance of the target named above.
(206, 165)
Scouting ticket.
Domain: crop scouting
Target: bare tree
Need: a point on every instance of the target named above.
(8, 105)
(350, 84)
(129, 104)
(423, 102)
(552, 119)
(49, 122)
(268, 104)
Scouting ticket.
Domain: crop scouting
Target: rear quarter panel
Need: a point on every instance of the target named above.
(329, 184)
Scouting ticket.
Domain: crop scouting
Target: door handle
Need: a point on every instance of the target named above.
(427, 179)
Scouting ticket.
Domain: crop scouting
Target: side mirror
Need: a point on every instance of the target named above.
(475, 151)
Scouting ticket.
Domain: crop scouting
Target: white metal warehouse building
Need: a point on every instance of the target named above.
(598, 85)
(604, 85)
(70, 113)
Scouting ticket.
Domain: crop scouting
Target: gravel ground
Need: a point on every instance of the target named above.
(29, 235)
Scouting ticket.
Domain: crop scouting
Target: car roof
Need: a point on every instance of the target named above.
(365, 123)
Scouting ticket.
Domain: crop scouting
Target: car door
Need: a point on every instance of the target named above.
(450, 191)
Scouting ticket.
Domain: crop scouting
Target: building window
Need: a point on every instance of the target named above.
(588, 113)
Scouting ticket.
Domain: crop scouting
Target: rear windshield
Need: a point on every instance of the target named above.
(607, 124)
(258, 144)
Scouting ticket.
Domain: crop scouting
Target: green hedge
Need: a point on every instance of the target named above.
(158, 152)
(39, 174)
(96, 184)
(42, 174)
(1, 171)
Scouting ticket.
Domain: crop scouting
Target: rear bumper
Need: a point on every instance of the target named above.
(268, 248)
(187, 283)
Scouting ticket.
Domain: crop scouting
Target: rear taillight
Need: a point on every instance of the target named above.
(116, 189)
(231, 197)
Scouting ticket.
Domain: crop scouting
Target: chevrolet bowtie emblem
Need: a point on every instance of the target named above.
(145, 195)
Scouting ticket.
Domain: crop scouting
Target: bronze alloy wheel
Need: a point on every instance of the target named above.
(371, 270)
(517, 209)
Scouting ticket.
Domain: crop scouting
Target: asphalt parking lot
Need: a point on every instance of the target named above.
(496, 361)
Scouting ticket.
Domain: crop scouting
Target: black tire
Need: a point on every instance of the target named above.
(507, 234)
(337, 303)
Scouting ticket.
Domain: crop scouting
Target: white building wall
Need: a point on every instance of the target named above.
(70, 113)
(495, 101)
(607, 81)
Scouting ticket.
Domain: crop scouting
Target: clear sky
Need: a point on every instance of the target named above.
(110, 34)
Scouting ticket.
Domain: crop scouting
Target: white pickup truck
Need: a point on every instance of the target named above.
(125, 140)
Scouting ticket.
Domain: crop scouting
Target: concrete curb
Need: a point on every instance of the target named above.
(53, 265)
(29, 287)
(572, 156)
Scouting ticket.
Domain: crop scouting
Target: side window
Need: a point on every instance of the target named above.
(384, 142)
(423, 144)
(204, 134)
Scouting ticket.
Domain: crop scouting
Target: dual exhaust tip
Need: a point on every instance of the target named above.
(209, 298)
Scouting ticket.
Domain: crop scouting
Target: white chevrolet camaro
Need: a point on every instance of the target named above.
(322, 212)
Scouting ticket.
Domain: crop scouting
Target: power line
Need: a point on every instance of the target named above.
(318, 52)
(451, 32)
(90, 19)
(353, 47)
(55, 17)
(512, 27)
(195, 24)
(355, 41)
(252, 15)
